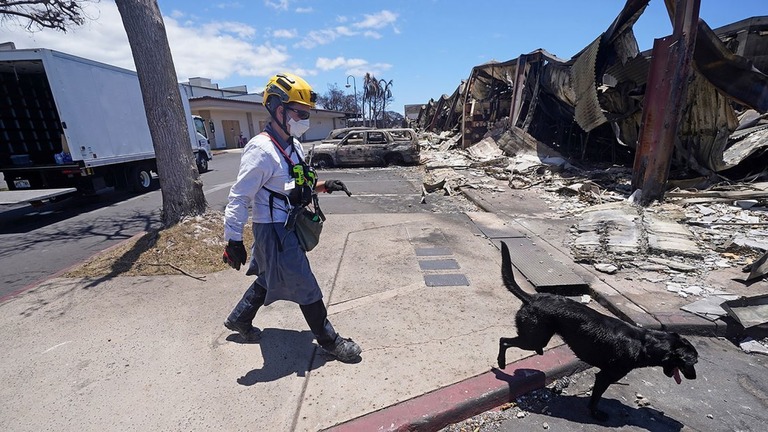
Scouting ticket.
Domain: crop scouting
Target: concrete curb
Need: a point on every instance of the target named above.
(460, 401)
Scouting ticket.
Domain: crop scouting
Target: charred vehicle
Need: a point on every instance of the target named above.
(337, 135)
(368, 147)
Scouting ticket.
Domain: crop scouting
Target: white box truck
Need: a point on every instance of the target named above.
(72, 124)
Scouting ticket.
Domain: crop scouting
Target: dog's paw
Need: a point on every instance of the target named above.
(502, 362)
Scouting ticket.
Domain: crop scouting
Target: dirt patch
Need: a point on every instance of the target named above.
(193, 247)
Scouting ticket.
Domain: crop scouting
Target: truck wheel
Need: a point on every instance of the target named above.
(322, 162)
(140, 178)
(202, 163)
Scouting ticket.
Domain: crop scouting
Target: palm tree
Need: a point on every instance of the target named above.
(370, 94)
(386, 95)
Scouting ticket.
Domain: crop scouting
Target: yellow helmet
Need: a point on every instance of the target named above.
(290, 88)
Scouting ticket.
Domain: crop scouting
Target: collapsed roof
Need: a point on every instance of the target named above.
(591, 106)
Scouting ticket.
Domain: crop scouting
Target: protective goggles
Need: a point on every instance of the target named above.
(303, 115)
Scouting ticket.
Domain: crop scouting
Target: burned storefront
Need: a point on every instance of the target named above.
(593, 106)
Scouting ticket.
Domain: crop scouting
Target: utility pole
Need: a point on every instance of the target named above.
(355, 89)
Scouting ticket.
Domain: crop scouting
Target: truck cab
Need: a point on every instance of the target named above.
(203, 151)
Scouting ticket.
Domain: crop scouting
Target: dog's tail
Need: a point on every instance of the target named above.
(508, 276)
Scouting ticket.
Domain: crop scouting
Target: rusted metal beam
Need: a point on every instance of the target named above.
(668, 78)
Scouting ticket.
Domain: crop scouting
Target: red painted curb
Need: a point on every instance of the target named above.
(460, 401)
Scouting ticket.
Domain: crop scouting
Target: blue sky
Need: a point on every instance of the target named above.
(426, 47)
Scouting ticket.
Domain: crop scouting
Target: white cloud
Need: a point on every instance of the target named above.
(356, 67)
(215, 29)
(345, 31)
(285, 34)
(373, 68)
(304, 10)
(367, 27)
(279, 4)
(230, 5)
(216, 50)
(318, 37)
(325, 64)
(378, 20)
(102, 38)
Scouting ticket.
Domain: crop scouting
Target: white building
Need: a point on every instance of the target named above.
(231, 112)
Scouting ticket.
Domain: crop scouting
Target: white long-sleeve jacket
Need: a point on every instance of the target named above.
(262, 167)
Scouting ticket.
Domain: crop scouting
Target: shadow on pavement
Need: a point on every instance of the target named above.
(284, 353)
(574, 409)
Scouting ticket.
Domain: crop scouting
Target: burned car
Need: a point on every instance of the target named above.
(368, 147)
(337, 135)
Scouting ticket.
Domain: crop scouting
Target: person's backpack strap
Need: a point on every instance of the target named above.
(272, 196)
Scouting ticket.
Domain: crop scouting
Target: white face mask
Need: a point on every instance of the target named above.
(298, 128)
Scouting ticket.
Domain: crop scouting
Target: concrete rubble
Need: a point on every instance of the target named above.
(677, 242)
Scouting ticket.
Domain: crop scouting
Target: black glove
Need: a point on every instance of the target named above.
(234, 254)
(336, 185)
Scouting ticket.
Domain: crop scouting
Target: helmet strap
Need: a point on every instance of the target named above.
(282, 124)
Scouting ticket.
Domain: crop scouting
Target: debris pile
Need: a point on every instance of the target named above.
(677, 242)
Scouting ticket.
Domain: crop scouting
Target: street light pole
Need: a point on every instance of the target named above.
(354, 84)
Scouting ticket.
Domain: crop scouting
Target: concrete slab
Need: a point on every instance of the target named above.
(667, 236)
(145, 354)
(611, 226)
(492, 226)
(151, 353)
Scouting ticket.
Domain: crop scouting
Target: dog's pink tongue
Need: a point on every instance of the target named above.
(677, 376)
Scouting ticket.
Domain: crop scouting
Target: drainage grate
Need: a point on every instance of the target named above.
(441, 264)
(446, 280)
(544, 272)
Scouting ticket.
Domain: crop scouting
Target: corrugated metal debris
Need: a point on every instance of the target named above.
(589, 108)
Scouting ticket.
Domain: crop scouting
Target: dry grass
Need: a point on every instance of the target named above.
(193, 247)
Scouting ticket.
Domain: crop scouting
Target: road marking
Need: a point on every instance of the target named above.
(56, 346)
(218, 187)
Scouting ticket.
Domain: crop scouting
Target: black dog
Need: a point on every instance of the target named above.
(607, 343)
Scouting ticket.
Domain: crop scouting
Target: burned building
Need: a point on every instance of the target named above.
(591, 107)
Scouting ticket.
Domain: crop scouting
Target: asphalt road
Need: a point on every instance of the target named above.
(36, 243)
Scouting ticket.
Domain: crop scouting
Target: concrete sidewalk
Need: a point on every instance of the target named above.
(421, 293)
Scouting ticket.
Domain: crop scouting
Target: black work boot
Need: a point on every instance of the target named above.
(246, 331)
(345, 350)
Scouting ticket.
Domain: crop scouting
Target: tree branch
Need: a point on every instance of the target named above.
(54, 14)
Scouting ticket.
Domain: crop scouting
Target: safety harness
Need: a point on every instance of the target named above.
(303, 193)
